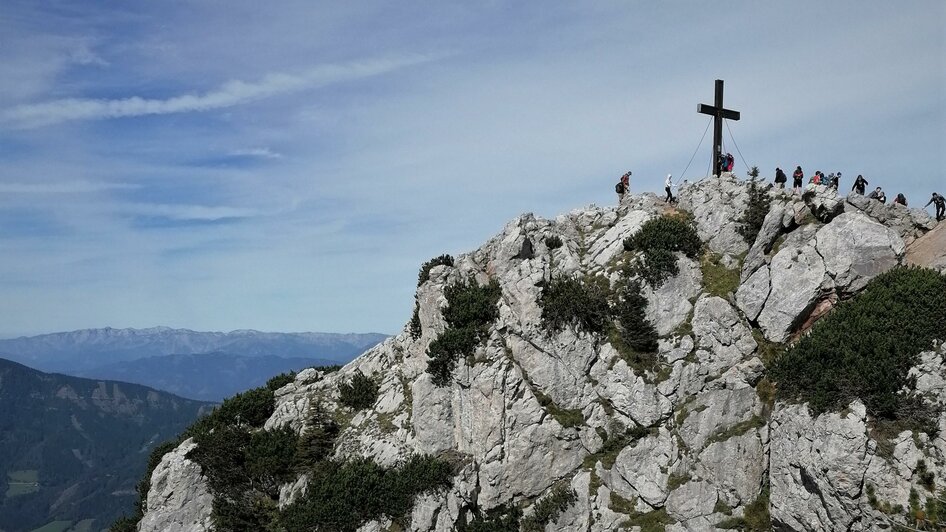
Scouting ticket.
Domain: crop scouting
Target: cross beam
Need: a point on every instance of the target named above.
(718, 112)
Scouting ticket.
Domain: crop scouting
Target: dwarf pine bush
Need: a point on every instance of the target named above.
(657, 241)
(866, 347)
(424, 275)
(359, 393)
(757, 207)
(636, 332)
(581, 303)
(471, 309)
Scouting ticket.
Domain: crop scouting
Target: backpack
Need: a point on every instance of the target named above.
(619, 188)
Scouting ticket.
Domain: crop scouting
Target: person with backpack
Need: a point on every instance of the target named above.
(860, 185)
(623, 186)
(780, 178)
(940, 204)
(797, 177)
(668, 185)
(878, 195)
(730, 162)
(900, 199)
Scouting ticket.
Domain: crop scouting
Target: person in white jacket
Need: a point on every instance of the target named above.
(668, 186)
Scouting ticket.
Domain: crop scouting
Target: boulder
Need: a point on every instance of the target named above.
(818, 466)
(179, 499)
(716, 203)
(797, 276)
(856, 249)
(908, 223)
(824, 202)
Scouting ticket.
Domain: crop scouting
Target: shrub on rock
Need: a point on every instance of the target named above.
(471, 308)
(359, 393)
(866, 347)
(424, 275)
(582, 303)
(757, 207)
(657, 241)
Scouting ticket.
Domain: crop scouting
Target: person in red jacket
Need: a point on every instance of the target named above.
(797, 177)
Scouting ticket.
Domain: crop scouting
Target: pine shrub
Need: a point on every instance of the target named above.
(866, 347)
(416, 328)
(567, 301)
(757, 208)
(317, 440)
(499, 519)
(344, 495)
(359, 392)
(424, 275)
(657, 241)
(636, 332)
(549, 508)
(553, 242)
(470, 310)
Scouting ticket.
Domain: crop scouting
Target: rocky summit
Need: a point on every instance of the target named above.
(564, 428)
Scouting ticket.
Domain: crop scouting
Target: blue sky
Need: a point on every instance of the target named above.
(287, 166)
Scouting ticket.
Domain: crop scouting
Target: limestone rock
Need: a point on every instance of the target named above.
(716, 203)
(179, 500)
(723, 340)
(797, 276)
(686, 432)
(856, 249)
(754, 292)
(772, 227)
(908, 223)
(641, 469)
(692, 500)
(669, 305)
(818, 466)
(824, 202)
(929, 250)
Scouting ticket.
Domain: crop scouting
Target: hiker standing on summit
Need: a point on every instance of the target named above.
(780, 177)
(668, 186)
(940, 203)
(797, 178)
(623, 186)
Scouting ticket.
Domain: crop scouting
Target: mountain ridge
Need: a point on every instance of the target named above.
(186, 375)
(567, 429)
(86, 348)
(72, 449)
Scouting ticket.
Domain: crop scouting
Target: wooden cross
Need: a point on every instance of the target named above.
(718, 112)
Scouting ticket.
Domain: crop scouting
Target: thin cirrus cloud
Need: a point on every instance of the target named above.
(65, 187)
(180, 212)
(229, 94)
(261, 153)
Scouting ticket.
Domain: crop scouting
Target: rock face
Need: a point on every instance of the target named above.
(694, 440)
(716, 203)
(814, 263)
(910, 224)
(179, 500)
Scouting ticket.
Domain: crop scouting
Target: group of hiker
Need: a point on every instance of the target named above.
(832, 180)
(624, 185)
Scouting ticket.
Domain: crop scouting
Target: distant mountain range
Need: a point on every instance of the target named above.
(206, 377)
(72, 449)
(83, 350)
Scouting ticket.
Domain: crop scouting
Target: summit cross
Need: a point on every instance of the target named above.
(718, 112)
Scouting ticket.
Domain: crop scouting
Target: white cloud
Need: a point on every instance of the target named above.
(181, 212)
(83, 55)
(229, 94)
(262, 153)
(70, 187)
